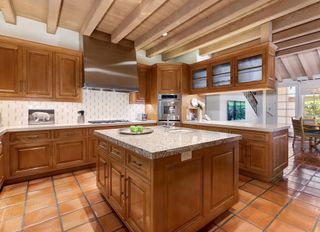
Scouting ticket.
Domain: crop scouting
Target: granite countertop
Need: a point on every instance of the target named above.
(162, 143)
(66, 126)
(241, 125)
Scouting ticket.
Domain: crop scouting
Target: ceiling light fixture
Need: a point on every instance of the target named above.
(165, 34)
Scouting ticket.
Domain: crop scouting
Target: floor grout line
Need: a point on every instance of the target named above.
(57, 203)
(25, 206)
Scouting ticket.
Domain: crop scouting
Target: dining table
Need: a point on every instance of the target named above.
(313, 128)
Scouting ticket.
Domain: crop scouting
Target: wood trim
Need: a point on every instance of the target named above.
(298, 49)
(54, 7)
(8, 11)
(97, 12)
(306, 39)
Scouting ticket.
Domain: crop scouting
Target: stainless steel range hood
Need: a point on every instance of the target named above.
(109, 66)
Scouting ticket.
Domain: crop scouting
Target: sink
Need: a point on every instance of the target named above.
(179, 130)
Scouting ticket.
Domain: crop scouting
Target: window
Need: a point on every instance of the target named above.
(311, 106)
(286, 104)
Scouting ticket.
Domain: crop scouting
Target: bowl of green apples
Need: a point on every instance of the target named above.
(136, 130)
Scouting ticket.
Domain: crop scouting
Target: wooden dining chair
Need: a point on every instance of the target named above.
(301, 132)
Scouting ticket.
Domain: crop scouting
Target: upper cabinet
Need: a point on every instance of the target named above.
(11, 70)
(32, 71)
(143, 95)
(250, 68)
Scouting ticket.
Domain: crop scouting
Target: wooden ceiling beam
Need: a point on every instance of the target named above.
(233, 41)
(255, 19)
(294, 32)
(8, 11)
(186, 12)
(304, 65)
(97, 12)
(54, 8)
(293, 50)
(266, 32)
(298, 41)
(225, 15)
(137, 16)
(304, 15)
(288, 68)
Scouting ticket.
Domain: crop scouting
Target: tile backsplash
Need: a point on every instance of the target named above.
(96, 104)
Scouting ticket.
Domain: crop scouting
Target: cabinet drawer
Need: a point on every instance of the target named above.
(256, 136)
(138, 164)
(116, 152)
(103, 145)
(30, 137)
(69, 133)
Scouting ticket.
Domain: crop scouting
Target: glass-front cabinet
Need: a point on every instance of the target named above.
(250, 69)
(221, 74)
(199, 77)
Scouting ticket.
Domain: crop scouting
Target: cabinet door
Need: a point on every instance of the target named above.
(222, 74)
(221, 178)
(117, 188)
(11, 67)
(242, 154)
(1, 170)
(256, 157)
(137, 203)
(92, 149)
(37, 66)
(68, 77)
(68, 153)
(169, 79)
(199, 78)
(103, 173)
(27, 159)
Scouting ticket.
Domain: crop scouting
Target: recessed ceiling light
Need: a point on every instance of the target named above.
(165, 34)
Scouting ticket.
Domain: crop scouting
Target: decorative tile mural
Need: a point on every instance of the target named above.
(97, 104)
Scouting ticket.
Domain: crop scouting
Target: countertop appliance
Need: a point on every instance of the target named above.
(169, 108)
(107, 121)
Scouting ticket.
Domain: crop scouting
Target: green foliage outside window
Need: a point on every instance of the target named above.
(312, 107)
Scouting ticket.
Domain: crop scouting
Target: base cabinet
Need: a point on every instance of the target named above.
(2, 165)
(68, 153)
(170, 194)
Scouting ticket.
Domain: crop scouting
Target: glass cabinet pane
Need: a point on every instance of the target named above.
(221, 74)
(199, 78)
(250, 69)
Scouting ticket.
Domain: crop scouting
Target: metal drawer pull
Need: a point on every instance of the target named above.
(136, 163)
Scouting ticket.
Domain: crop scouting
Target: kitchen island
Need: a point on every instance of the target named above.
(170, 180)
(263, 150)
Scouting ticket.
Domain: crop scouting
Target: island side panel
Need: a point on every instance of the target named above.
(189, 194)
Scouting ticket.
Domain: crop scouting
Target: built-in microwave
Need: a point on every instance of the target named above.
(169, 107)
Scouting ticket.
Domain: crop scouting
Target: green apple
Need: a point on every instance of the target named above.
(133, 129)
(140, 129)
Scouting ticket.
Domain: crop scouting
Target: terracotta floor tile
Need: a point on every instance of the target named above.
(297, 219)
(237, 207)
(80, 172)
(65, 187)
(68, 196)
(261, 184)
(12, 212)
(52, 225)
(236, 224)
(314, 184)
(284, 190)
(279, 226)
(304, 208)
(276, 198)
(88, 227)
(95, 197)
(305, 176)
(40, 203)
(256, 217)
(312, 191)
(253, 189)
(101, 209)
(85, 175)
(298, 180)
(12, 190)
(222, 218)
(10, 201)
(245, 196)
(73, 205)
(77, 218)
(110, 222)
(39, 184)
(316, 179)
(14, 224)
(38, 216)
(266, 206)
(39, 194)
(317, 228)
(308, 199)
(89, 189)
(63, 180)
(61, 176)
(244, 178)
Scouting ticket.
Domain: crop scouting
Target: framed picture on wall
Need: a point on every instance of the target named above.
(236, 110)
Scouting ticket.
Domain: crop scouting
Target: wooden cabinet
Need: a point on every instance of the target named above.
(93, 149)
(37, 67)
(249, 68)
(68, 77)
(28, 159)
(143, 96)
(256, 157)
(103, 172)
(32, 71)
(138, 211)
(169, 78)
(11, 70)
(69, 152)
(2, 165)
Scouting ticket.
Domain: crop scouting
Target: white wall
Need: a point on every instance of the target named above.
(32, 30)
(216, 106)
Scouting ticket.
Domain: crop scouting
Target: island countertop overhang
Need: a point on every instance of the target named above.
(162, 143)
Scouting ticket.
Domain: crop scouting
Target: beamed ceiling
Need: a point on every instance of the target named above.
(211, 26)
